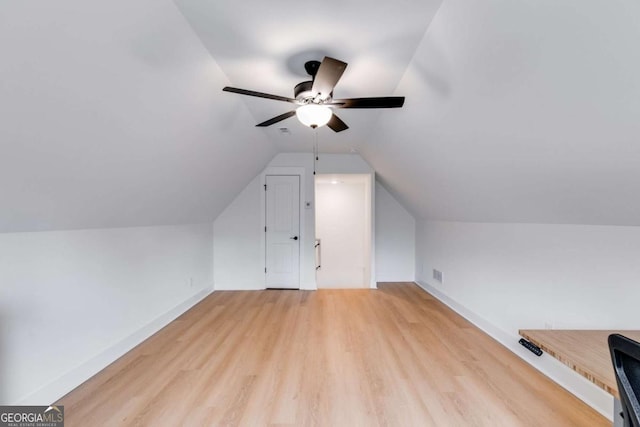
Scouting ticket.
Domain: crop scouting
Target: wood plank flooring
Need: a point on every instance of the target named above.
(391, 357)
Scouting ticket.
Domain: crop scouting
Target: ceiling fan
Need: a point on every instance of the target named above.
(315, 97)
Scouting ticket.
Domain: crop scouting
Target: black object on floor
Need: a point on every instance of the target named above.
(531, 347)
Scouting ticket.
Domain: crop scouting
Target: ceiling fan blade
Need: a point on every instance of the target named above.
(257, 94)
(336, 124)
(277, 119)
(379, 102)
(327, 77)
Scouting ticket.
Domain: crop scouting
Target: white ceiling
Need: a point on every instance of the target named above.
(263, 45)
(113, 115)
(519, 112)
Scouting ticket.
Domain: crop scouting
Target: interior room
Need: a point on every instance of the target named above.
(336, 213)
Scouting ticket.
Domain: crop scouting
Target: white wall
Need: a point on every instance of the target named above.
(395, 239)
(519, 276)
(342, 224)
(342, 163)
(238, 236)
(528, 275)
(238, 255)
(73, 301)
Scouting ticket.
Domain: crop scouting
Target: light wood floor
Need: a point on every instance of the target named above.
(395, 356)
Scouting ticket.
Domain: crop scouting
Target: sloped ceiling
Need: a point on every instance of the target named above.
(113, 115)
(263, 45)
(516, 111)
(519, 112)
(110, 115)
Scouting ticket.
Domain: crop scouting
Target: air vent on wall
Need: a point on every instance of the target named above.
(437, 275)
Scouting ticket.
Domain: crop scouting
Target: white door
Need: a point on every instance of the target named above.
(282, 231)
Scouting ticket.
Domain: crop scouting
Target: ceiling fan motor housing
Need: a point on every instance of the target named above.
(302, 92)
(311, 67)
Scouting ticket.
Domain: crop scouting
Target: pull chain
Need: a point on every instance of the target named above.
(315, 151)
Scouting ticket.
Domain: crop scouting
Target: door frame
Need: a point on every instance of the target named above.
(304, 241)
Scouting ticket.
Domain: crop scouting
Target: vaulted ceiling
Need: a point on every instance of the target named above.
(263, 46)
(519, 111)
(112, 113)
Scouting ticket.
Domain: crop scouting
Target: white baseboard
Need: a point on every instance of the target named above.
(53, 391)
(235, 287)
(567, 378)
(257, 287)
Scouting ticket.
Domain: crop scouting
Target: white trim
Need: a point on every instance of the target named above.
(56, 389)
(234, 287)
(373, 282)
(564, 376)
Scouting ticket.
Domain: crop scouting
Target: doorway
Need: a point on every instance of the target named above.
(282, 231)
(343, 230)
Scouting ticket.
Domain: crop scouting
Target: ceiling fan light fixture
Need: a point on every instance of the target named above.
(314, 115)
(315, 97)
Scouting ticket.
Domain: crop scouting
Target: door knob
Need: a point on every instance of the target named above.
(294, 238)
